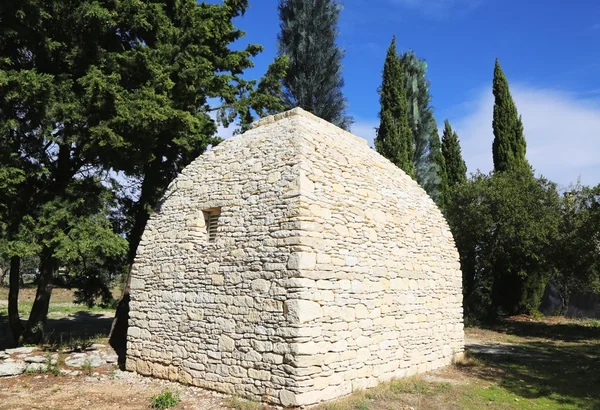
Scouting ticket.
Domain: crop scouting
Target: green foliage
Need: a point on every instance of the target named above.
(504, 225)
(394, 138)
(314, 82)
(89, 87)
(87, 368)
(427, 158)
(456, 169)
(576, 251)
(509, 145)
(165, 400)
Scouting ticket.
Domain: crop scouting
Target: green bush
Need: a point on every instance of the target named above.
(504, 225)
(165, 400)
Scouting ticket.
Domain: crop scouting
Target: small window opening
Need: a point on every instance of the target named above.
(211, 217)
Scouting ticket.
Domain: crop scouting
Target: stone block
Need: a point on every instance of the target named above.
(302, 260)
(299, 311)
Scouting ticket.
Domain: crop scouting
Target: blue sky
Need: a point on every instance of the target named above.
(549, 50)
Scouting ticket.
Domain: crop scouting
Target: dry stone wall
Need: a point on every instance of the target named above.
(331, 270)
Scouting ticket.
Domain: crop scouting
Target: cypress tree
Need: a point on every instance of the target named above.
(314, 81)
(426, 140)
(394, 138)
(509, 145)
(439, 195)
(456, 169)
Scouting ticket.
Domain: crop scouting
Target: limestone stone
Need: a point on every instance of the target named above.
(226, 343)
(35, 367)
(302, 311)
(36, 359)
(302, 260)
(293, 263)
(20, 350)
(12, 368)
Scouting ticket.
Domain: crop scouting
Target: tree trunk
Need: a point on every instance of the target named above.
(150, 192)
(34, 333)
(2, 276)
(118, 331)
(14, 320)
(565, 304)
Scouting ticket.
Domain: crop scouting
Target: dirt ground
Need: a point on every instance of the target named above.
(106, 390)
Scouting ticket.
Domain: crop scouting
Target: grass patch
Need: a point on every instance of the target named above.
(87, 368)
(165, 400)
(56, 309)
(398, 393)
(468, 360)
(417, 386)
(358, 401)
(241, 404)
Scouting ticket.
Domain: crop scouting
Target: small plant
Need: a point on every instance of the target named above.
(165, 400)
(86, 367)
(536, 314)
(113, 371)
(50, 367)
(467, 360)
(594, 323)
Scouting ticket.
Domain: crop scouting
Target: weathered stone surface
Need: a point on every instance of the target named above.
(36, 359)
(97, 346)
(36, 367)
(21, 350)
(328, 270)
(302, 311)
(12, 368)
(81, 360)
(111, 358)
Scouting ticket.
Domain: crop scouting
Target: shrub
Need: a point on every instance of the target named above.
(165, 400)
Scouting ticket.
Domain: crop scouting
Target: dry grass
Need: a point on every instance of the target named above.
(468, 360)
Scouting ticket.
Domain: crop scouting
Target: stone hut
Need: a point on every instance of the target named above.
(293, 264)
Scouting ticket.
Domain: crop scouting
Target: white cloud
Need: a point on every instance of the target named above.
(562, 133)
(366, 130)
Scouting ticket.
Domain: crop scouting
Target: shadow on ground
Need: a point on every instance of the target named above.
(81, 325)
(557, 360)
(566, 332)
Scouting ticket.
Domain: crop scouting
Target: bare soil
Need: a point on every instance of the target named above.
(105, 390)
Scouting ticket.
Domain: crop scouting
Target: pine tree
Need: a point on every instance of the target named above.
(314, 81)
(394, 138)
(423, 125)
(456, 169)
(509, 145)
